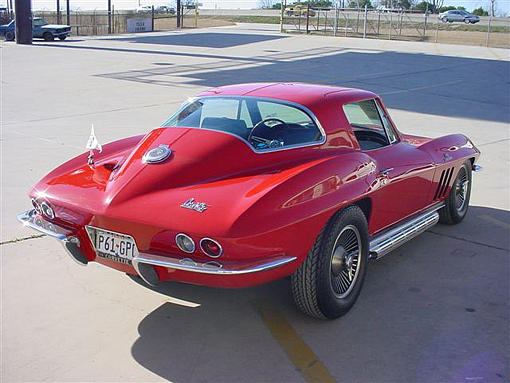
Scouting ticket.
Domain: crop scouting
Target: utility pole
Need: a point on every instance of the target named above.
(23, 22)
(178, 13)
(68, 13)
(109, 17)
(59, 16)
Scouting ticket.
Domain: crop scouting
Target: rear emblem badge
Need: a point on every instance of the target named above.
(156, 155)
(192, 205)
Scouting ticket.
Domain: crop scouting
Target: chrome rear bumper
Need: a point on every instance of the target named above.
(144, 263)
(71, 243)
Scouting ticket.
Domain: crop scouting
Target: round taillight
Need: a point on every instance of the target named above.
(210, 247)
(47, 210)
(185, 243)
(36, 206)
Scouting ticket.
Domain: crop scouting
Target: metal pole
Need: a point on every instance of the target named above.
(59, 18)
(357, 23)
(488, 30)
(378, 22)
(113, 19)
(307, 18)
(282, 7)
(109, 17)
(196, 14)
(365, 22)
(335, 25)
(425, 23)
(23, 22)
(68, 14)
(437, 30)
(178, 13)
(152, 21)
(390, 23)
(12, 10)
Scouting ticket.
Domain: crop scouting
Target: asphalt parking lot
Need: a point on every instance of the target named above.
(435, 310)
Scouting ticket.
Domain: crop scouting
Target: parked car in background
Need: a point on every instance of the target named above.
(298, 10)
(40, 29)
(249, 183)
(458, 16)
(144, 9)
(165, 9)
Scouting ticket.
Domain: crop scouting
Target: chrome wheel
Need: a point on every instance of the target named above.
(345, 261)
(461, 189)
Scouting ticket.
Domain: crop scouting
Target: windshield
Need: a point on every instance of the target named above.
(264, 124)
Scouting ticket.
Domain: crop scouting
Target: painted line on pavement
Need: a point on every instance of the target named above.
(304, 359)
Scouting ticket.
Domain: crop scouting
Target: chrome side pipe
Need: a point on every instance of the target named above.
(389, 240)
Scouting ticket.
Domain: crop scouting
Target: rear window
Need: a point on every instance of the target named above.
(263, 124)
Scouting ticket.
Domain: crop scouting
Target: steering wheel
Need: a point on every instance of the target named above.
(275, 143)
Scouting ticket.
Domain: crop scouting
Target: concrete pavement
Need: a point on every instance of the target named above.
(436, 309)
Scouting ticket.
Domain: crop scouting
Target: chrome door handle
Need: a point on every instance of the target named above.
(385, 172)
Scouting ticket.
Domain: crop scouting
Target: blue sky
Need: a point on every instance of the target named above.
(503, 6)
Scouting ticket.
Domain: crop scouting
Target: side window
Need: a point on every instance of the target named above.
(367, 124)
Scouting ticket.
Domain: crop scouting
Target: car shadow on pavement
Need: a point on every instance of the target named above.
(421, 309)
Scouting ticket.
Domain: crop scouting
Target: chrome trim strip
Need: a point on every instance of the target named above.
(141, 261)
(388, 241)
(268, 99)
(71, 243)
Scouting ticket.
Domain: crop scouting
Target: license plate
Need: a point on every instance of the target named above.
(115, 246)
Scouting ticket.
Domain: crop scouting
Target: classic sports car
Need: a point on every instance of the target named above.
(249, 183)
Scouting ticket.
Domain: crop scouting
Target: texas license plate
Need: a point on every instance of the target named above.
(115, 246)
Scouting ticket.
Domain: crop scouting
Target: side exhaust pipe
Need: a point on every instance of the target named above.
(388, 241)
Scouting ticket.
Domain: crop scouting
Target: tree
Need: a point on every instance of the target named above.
(461, 8)
(480, 12)
(446, 8)
(360, 4)
(425, 6)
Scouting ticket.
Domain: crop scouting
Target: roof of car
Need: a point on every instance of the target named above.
(300, 93)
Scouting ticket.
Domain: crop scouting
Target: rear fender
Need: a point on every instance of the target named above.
(451, 148)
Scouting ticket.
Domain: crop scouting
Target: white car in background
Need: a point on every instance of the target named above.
(144, 9)
(459, 16)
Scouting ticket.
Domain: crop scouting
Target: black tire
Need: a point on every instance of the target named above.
(466, 21)
(318, 285)
(457, 202)
(62, 37)
(47, 36)
(9, 36)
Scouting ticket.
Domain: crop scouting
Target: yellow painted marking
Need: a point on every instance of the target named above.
(495, 221)
(303, 358)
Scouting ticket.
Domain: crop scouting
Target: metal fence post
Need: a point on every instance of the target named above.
(378, 21)
(335, 24)
(488, 31)
(307, 18)
(437, 31)
(391, 19)
(318, 15)
(365, 22)
(357, 23)
(425, 22)
(346, 24)
(59, 18)
(68, 15)
(282, 7)
(196, 17)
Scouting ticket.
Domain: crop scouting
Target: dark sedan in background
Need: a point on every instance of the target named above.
(40, 29)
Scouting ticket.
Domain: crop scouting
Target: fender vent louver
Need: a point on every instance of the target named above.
(444, 181)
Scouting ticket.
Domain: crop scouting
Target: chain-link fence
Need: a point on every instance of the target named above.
(395, 25)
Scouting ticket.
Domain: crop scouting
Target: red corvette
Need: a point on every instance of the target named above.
(250, 183)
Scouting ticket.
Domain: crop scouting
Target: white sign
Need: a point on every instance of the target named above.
(139, 25)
